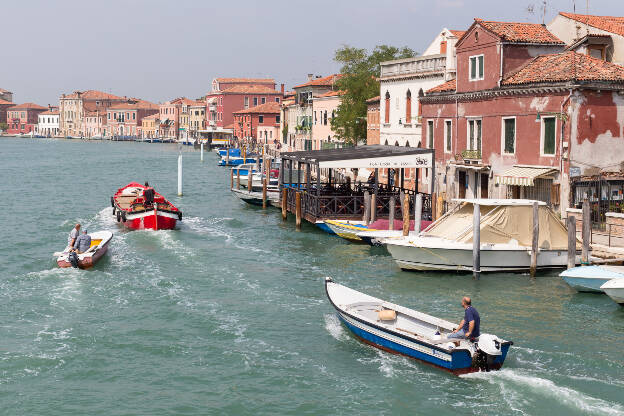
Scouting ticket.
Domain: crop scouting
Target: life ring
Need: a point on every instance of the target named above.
(118, 216)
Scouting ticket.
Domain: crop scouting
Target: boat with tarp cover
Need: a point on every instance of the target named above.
(400, 330)
(139, 206)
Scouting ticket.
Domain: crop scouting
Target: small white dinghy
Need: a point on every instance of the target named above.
(614, 288)
(99, 246)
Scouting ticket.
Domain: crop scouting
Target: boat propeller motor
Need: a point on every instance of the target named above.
(73, 259)
(488, 348)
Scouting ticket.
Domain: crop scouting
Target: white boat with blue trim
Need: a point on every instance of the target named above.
(591, 278)
(614, 288)
(400, 330)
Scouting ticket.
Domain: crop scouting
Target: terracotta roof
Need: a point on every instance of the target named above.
(566, 66)
(373, 100)
(457, 33)
(327, 81)
(3, 90)
(94, 95)
(4, 102)
(193, 103)
(50, 113)
(247, 80)
(271, 107)
(607, 23)
(250, 89)
(28, 106)
(134, 106)
(153, 116)
(520, 32)
(447, 86)
(332, 93)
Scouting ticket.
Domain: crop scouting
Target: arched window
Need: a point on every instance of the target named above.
(408, 107)
(387, 108)
(407, 144)
(386, 143)
(396, 143)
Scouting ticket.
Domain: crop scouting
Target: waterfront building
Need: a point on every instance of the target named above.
(523, 116)
(149, 126)
(183, 123)
(74, 107)
(48, 123)
(6, 95)
(169, 114)
(324, 108)
(95, 123)
(247, 122)
(372, 120)
(124, 119)
(287, 109)
(4, 106)
(301, 111)
(229, 95)
(23, 118)
(197, 118)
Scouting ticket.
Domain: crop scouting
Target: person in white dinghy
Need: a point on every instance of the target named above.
(83, 243)
(468, 328)
(73, 235)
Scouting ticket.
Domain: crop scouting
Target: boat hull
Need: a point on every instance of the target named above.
(149, 220)
(410, 257)
(348, 231)
(591, 278)
(581, 284)
(614, 288)
(88, 261)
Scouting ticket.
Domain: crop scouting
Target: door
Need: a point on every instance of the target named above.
(484, 185)
(462, 184)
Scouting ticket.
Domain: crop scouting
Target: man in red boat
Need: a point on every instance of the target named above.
(73, 234)
(83, 242)
(469, 326)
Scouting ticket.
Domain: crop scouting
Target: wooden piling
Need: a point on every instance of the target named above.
(231, 178)
(586, 233)
(249, 179)
(391, 214)
(406, 215)
(264, 193)
(535, 239)
(238, 178)
(476, 242)
(373, 208)
(418, 213)
(284, 204)
(434, 206)
(571, 241)
(366, 216)
(298, 209)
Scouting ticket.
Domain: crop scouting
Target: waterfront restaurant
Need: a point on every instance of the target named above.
(332, 195)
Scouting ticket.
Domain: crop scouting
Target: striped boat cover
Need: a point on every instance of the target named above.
(522, 176)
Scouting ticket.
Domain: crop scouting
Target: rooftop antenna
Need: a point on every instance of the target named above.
(544, 12)
(530, 11)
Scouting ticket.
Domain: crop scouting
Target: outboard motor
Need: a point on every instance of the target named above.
(488, 348)
(73, 259)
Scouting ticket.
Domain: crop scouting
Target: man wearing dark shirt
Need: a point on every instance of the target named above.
(469, 326)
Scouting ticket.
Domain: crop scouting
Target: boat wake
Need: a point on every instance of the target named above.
(335, 328)
(564, 395)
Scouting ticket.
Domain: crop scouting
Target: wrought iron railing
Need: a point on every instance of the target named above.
(471, 154)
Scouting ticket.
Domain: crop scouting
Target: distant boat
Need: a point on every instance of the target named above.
(591, 278)
(234, 152)
(235, 161)
(400, 330)
(139, 206)
(614, 288)
(99, 246)
(255, 197)
(359, 232)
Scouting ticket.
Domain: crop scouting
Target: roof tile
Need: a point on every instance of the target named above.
(270, 107)
(520, 32)
(327, 81)
(607, 23)
(28, 106)
(447, 86)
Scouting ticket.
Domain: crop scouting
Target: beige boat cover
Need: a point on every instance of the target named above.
(504, 225)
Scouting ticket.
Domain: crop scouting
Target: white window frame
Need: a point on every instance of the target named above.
(446, 138)
(430, 131)
(503, 152)
(477, 78)
(468, 120)
(542, 136)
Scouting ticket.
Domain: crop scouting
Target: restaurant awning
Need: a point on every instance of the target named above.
(366, 157)
(523, 175)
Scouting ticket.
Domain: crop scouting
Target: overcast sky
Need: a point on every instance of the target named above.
(158, 50)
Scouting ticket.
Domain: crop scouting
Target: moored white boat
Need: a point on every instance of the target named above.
(505, 236)
(99, 246)
(405, 331)
(591, 278)
(614, 288)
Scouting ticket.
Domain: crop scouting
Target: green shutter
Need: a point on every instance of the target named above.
(471, 133)
(430, 132)
(448, 136)
(549, 136)
(473, 68)
(478, 135)
(510, 135)
(480, 66)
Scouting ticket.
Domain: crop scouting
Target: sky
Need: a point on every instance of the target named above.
(158, 50)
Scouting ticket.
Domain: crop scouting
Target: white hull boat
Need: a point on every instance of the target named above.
(614, 288)
(591, 278)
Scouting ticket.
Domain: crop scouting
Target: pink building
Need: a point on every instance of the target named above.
(169, 114)
(95, 123)
(324, 108)
(23, 118)
(124, 120)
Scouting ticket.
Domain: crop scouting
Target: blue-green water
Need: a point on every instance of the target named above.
(227, 313)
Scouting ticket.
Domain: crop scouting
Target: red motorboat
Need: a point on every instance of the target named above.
(140, 206)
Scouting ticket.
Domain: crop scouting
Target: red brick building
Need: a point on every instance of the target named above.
(229, 95)
(23, 118)
(124, 120)
(520, 113)
(246, 122)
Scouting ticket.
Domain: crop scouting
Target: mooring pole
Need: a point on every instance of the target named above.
(249, 178)
(227, 157)
(586, 233)
(231, 178)
(476, 242)
(391, 214)
(180, 174)
(373, 208)
(284, 204)
(238, 178)
(264, 193)
(406, 215)
(298, 209)
(366, 215)
(535, 239)
(571, 241)
(201, 146)
(418, 213)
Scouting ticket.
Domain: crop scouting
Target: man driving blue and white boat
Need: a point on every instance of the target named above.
(469, 326)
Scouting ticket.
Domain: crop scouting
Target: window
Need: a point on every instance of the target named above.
(277, 118)
(387, 108)
(246, 102)
(315, 118)
(408, 107)
(263, 100)
(325, 117)
(430, 133)
(255, 101)
(133, 116)
(448, 135)
(277, 99)
(509, 135)
(476, 67)
(260, 118)
(548, 135)
(474, 135)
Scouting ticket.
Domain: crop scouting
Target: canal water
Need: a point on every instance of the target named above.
(227, 313)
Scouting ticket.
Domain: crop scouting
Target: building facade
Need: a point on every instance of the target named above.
(324, 108)
(247, 122)
(124, 120)
(149, 127)
(23, 118)
(197, 118)
(95, 124)
(74, 107)
(372, 120)
(169, 114)
(48, 123)
(4, 106)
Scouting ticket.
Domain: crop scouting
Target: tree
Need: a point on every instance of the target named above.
(359, 82)
(4, 126)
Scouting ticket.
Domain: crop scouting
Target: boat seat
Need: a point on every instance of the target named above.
(387, 315)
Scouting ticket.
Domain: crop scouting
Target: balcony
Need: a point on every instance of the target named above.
(412, 66)
(212, 107)
(471, 155)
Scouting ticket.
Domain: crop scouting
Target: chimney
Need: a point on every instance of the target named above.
(282, 89)
(310, 77)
